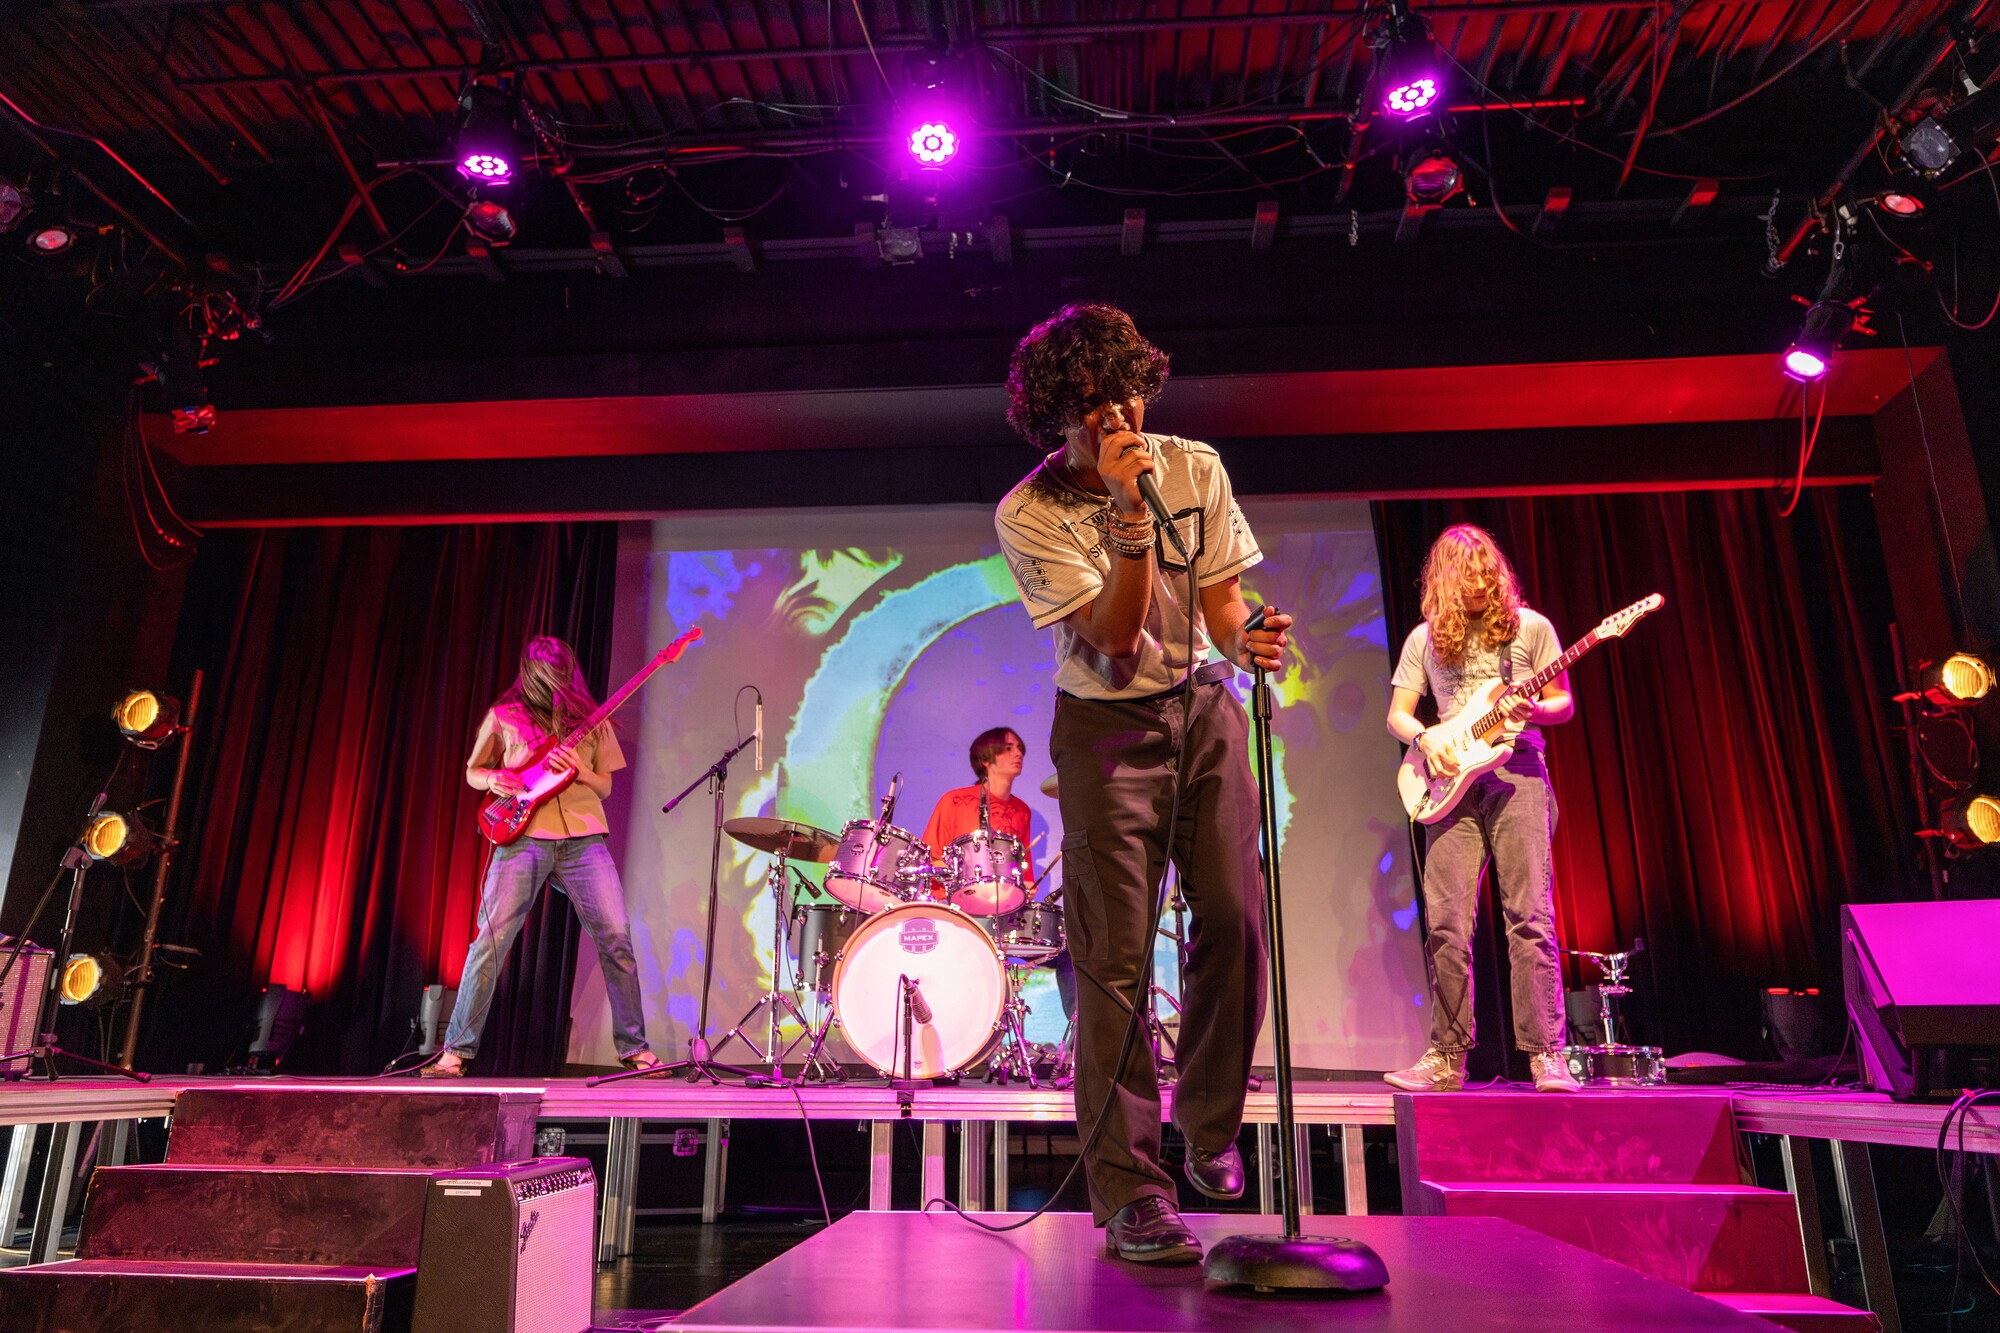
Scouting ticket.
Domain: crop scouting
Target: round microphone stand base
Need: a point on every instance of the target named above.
(1295, 1263)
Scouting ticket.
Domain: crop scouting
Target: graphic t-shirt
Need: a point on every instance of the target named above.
(1053, 535)
(1452, 684)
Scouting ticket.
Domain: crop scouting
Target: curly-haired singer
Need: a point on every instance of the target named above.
(1089, 560)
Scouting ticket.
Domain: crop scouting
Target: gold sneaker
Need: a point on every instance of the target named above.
(1551, 1073)
(1438, 1071)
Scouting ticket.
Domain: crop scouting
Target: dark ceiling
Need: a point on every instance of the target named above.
(228, 159)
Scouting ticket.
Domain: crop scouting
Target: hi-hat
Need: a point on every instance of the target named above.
(1049, 786)
(784, 837)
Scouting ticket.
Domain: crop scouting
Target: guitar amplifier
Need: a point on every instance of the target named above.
(20, 997)
(509, 1249)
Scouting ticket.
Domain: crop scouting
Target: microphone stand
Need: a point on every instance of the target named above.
(698, 1066)
(1290, 1261)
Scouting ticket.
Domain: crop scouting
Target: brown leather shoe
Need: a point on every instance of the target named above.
(1149, 1231)
(1219, 1175)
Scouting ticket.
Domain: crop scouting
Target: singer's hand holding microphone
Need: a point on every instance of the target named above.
(1125, 463)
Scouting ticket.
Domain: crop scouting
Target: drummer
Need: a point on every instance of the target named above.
(997, 756)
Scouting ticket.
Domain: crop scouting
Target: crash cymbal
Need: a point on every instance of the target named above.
(1049, 786)
(787, 838)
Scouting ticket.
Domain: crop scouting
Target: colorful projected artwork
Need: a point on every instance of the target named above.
(883, 642)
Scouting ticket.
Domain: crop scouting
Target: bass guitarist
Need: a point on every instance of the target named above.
(564, 845)
(1477, 629)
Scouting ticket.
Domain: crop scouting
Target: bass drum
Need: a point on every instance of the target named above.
(958, 971)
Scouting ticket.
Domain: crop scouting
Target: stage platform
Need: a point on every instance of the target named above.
(936, 1272)
(1850, 1121)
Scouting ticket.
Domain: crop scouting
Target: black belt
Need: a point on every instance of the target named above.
(1209, 673)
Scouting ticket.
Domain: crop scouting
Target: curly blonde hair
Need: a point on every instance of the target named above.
(1465, 559)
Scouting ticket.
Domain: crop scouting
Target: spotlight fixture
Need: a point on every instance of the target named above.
(1811, 354)
(1906, 197)
(147, 719)
(281, 1020)
(1959, 681)
(93, 980)
(1971, 824)
(1938, 140)
(1408, 71)
(933, 143)
(1432, 179)
(14, 205)
(51, 238)
(487, 150)
(120, 838)
(490, 221)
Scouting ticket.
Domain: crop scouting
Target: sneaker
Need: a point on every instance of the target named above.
(1438, 1071)
(1551, 1072)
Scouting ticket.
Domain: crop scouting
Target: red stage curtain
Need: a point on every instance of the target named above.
(1730, 777)
(332, 845)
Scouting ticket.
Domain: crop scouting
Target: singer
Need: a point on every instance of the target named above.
(564, 846)
(1094, 537)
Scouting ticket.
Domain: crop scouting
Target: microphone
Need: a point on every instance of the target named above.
(760, 731)
(889, 801)
(919, 1008)
(1149, 491)
(985, 810)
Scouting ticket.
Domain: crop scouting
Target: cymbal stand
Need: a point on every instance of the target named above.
(1165, 1046)
(1013, 1058)
(778, 1002)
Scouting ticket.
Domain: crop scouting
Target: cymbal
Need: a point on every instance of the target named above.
(787, 838)
(1049, 785)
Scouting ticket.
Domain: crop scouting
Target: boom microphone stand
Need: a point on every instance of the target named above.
(1292, 1260)
(698, 1065)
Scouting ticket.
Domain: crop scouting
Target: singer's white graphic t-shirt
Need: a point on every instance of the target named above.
(1053, 535)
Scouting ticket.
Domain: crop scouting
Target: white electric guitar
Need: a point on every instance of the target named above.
(1481, 738)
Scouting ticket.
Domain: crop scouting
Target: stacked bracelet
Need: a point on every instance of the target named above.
(1131, 538)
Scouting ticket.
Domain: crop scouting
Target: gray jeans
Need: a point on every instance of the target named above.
(1509, 815)
(581, 868)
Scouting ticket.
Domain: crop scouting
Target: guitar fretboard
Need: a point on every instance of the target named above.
(1534, 685)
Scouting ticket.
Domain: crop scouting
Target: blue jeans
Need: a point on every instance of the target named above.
(581, 868)
(1508, 815)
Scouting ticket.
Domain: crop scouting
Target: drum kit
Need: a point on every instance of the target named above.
(918, 958)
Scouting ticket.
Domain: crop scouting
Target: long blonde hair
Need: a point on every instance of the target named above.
(1462, 560)
(550, 686)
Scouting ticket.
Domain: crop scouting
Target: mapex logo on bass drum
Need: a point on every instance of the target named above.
(920, 935)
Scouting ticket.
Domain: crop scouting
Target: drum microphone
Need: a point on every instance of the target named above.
(919, 1008)
(760, 730)
(889, 803)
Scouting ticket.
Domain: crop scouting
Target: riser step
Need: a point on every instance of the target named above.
(271, 1215)
(1800, 1313)
(351, 1127)
(128, 1296)
(1628, 1137)
(1703, 1238)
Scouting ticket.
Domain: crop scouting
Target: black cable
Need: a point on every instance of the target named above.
(1959, 1111)
(1144, 985)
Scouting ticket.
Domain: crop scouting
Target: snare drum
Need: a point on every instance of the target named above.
(872, 874)
(958, 971)
(1031, 933)
(819, 932)
(984, 873)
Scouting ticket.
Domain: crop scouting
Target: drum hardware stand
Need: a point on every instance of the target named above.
(1013, 1059)
(1614, 1064)
(1165, 1047)
(1291, 1260)
(778, 1001)
(698, 1065)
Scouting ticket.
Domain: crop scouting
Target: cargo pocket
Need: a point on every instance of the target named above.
(1083, 900)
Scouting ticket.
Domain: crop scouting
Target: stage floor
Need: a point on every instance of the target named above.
(936, 1272)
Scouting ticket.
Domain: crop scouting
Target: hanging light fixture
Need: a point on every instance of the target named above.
(487, 151)
(1959, 681)
(1408, 73)
(1971, 823)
